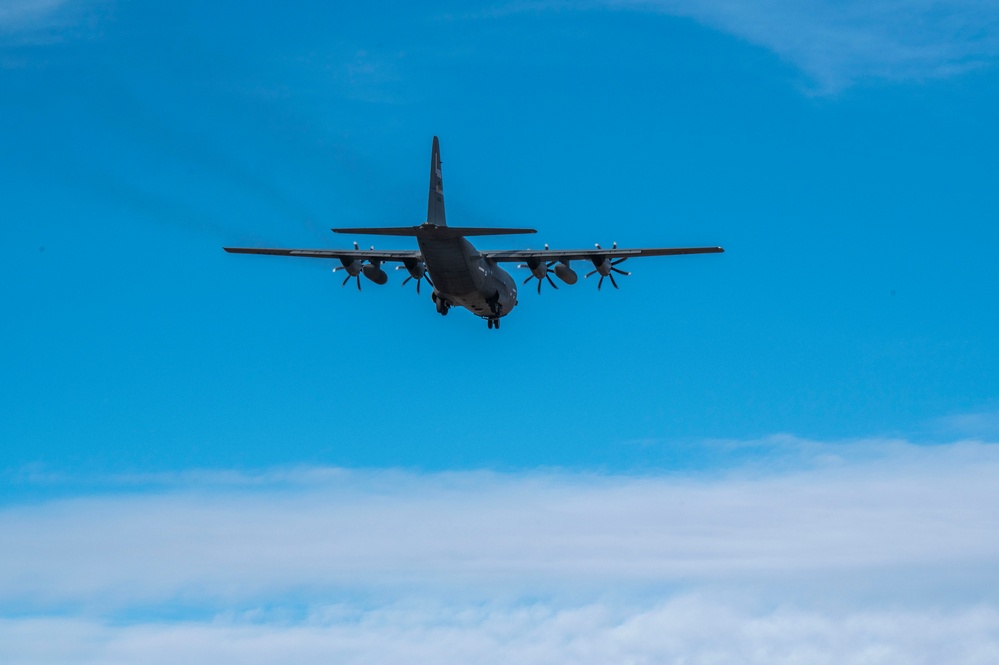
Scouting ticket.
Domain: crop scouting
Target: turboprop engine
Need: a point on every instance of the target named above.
(605, 268)
(372, 270)
(353, 268)
(540, 269)
(417, 270)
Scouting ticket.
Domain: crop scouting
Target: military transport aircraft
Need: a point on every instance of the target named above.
(461, 274)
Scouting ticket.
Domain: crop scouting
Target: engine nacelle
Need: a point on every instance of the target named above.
(416, 269)
(538, 268)
(374, 272)
(565, 273)
(603, 266)
(352, 267)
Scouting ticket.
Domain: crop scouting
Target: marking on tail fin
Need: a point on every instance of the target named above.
(435, 201)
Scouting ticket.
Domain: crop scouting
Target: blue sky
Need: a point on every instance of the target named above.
(844, 154)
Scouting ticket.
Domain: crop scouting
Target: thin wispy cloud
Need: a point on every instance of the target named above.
(20, 13)
(30, 23)
(28, 16)
(970, 424)
(837, 44)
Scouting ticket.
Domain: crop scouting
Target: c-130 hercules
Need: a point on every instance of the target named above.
(459, 273)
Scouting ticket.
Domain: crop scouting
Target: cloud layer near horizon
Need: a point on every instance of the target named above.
(685, 629)
(810, 564)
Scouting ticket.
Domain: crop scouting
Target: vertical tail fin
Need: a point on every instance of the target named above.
(435, 203)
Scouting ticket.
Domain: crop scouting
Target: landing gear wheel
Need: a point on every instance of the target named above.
(489, 322)
(493, 322)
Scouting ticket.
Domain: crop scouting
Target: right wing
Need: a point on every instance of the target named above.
(596, 255)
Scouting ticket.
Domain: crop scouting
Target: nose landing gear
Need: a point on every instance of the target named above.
(496, 308)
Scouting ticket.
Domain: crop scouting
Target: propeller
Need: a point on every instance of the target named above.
(545, 274)
(606, 268)
(539, 270)
(353, 269)
(418, 272)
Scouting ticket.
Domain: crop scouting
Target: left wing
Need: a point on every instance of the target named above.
(595, 255)
(353, 261)
(346, 255)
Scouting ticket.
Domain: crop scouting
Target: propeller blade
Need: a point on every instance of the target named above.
(620, 272)
(614, 263)
(345, 280)
(358, 282)
(600, 283)
(528, 278)
(592, 272)
(539, 287)
(612, 280)
(426, 276)
(418, 280)
(554, 286)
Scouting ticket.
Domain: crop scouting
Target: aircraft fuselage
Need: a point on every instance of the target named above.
(463, 277)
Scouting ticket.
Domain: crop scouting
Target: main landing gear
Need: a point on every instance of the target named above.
(493, 322)
(442, 305)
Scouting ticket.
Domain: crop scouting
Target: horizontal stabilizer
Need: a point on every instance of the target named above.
(430, 231)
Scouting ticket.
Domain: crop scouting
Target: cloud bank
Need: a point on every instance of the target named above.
(689, 629)
(873, 551)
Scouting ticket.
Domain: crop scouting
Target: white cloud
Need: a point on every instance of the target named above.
(866, 551)
(240, 540)
(686, 629)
